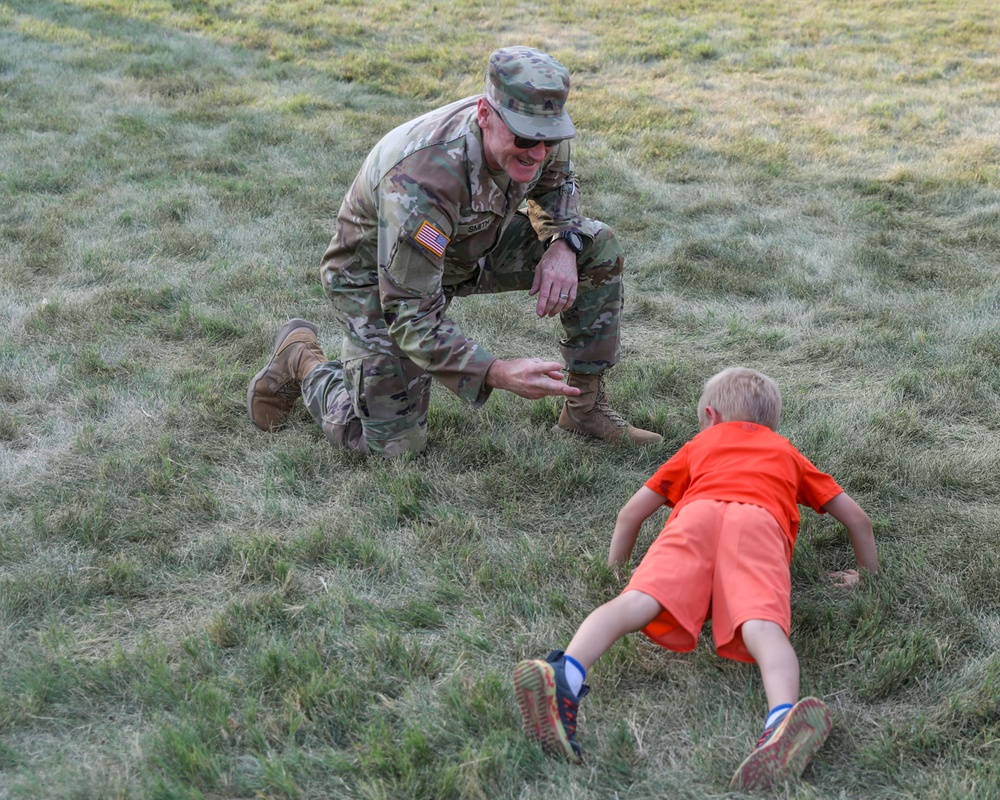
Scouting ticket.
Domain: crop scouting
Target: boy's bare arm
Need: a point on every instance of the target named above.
(640, 507)
(859, 528)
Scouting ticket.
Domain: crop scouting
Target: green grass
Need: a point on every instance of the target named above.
(192, 609)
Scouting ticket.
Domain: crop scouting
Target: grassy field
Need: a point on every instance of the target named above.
(190, 608)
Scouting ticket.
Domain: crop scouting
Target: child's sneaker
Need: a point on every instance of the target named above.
(548, 707)
(785, 748)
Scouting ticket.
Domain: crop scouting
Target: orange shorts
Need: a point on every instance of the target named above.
(727, 561)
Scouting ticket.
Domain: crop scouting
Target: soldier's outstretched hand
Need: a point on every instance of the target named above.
(529, 377)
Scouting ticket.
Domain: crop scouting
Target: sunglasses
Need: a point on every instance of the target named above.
(523, 142)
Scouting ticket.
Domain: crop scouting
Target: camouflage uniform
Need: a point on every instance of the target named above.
(425, 222)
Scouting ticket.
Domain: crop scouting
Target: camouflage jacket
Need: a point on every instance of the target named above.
(414, 227)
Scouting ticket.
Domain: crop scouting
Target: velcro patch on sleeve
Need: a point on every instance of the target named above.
(430, 238)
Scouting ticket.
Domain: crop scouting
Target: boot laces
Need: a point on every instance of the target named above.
(605, 408)
(289, 390)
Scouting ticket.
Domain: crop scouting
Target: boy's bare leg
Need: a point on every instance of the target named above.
(627, 613)
(779, 666)
(545, 696)
(796, 729)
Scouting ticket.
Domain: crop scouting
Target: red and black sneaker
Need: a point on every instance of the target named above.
(785, 747)
(548, 707)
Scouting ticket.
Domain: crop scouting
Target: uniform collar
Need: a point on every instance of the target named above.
(486, 195)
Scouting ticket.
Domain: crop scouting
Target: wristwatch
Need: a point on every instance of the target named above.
(572, 238)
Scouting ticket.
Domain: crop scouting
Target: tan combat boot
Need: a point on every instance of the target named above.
(274, 390)
(590, 414)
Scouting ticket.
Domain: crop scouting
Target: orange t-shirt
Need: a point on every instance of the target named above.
(745, 463)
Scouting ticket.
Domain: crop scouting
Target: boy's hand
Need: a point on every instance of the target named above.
(845, 579)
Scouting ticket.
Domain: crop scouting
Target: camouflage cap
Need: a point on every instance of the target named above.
(529, 89)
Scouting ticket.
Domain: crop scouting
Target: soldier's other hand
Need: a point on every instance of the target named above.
(555, 280)
(529, 377)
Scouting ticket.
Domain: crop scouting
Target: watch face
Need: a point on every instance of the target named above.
(574, 241)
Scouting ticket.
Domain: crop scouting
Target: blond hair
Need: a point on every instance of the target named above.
(744, 395)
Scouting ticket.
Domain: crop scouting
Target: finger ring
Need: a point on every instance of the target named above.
(563, 296)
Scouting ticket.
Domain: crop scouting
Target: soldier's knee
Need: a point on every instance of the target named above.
(602, 258)
(412, 440)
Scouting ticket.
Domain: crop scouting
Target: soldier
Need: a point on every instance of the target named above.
(436, 213)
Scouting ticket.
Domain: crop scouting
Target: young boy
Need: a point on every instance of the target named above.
(724, 552)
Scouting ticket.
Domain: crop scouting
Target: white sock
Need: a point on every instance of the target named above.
(775, 713)
(575, 674)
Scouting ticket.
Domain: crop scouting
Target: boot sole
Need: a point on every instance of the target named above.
(624, 437)
(788, 752)
(557, 428)
(283, 332)
(535, 690)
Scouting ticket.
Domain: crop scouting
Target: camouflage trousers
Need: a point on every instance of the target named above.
(377, 403)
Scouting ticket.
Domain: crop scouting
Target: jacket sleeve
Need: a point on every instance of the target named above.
(416, 225)
(553, 201)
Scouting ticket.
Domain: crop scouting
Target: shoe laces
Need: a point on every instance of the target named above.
(768, 732)
(567, 714)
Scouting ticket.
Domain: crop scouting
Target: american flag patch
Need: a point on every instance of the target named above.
(431, 238)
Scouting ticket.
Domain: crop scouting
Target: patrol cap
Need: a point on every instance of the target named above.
(529, 89)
